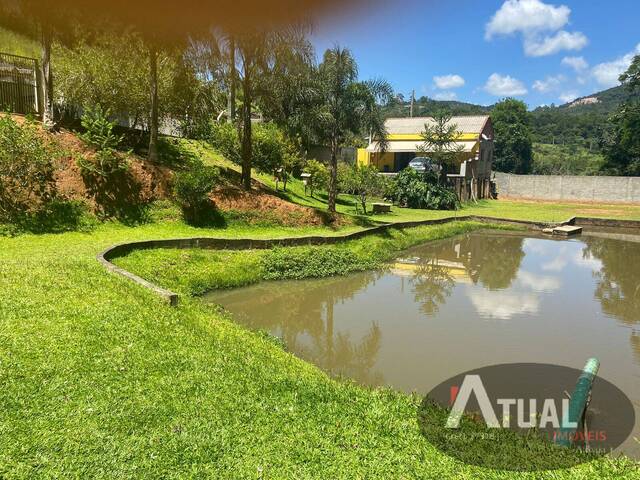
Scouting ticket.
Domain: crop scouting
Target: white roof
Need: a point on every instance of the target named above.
(465, 124)
(411, 146)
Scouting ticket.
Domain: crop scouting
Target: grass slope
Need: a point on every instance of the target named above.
(100, 379)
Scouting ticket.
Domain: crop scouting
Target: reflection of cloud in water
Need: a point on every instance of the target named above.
(587, 260)
(556, 265)
(502, 304)
(539, 283)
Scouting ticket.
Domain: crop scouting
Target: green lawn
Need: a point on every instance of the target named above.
(101, 379)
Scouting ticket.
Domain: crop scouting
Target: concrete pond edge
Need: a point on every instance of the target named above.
(122, 249)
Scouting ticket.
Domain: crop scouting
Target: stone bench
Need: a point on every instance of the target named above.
(381, 207)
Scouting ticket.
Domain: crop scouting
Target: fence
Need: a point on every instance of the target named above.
(19, 84)
(568, 187)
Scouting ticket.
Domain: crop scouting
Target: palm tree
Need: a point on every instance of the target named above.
(348, 108)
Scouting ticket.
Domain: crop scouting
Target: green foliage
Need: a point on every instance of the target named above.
(319, 175)
(422, 190)
(269, 147)
(364, 181)
(565, 160)
(112, 69)
(439, 140)
(192, 188)
(513, 146)
(26, 170)
(621, 142)
(306, 262)
(99, 133)
(224, 138)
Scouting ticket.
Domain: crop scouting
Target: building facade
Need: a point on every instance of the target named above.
(470, 176)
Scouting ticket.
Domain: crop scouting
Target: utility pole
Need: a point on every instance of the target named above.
(413, 97)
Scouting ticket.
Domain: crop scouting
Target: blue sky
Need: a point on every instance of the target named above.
(540, 51)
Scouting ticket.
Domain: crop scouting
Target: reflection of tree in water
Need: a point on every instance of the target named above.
(296, 308)
(492, 260)
(618, 287)
(432, 285)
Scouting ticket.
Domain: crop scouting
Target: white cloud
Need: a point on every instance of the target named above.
(504, 86)
(446, 82)
(445, 96)
(532, 19)
(562, 40)
(577, 63)
(527, 17)
(607, 73)
(567, 97)
(549, 84)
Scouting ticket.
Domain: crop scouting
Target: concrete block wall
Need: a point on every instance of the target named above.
(568, 187)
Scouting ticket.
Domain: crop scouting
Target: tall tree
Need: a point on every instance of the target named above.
(513, 146)
(347, 108)
(621, 141)
(259, 52)
(440, 141)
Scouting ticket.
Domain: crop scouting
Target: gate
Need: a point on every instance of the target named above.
(19, 84)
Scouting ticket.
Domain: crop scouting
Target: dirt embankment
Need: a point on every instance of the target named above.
(121, 194)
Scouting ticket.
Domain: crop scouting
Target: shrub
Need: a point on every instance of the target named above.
(306, 262)
(26, 170)
(192, 188)
(319, 175)
(100, 135)
(421, 190)
(224, 138)
(363, 181)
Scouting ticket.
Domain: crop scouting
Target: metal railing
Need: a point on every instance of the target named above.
(19, 79)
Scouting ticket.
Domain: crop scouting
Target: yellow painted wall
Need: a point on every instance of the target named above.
(381, 160)
(418, 137)
(362, 157)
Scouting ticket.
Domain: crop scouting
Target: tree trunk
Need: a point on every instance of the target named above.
(47, 79)
(231, 98)
(246, 130)
(153, 120)
(333, 177)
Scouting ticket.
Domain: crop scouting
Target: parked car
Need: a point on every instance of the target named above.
(421, 164)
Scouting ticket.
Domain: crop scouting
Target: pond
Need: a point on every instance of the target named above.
(474, 300)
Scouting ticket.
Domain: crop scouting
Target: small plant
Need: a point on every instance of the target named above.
(224, 138)
(192, 188)
(319, 175)
(99, 133)
(363, 181)
(27, 183)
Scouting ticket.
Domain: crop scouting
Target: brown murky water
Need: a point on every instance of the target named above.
(462, 303)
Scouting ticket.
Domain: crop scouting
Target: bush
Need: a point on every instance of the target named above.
(363, 181)
(319, 175)
(421, 190)
(306, 262)
(192, 188)
(27, 184)
(100, 135)
(224, 138)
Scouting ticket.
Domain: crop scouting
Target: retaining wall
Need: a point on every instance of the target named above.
(568, 187)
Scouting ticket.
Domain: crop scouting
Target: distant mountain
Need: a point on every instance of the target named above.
(425, 107)
(604, 102)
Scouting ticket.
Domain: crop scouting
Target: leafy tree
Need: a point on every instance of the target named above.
(258, 52)
(363, 181)
(440, 141)
(346, 108)
(621, 141)
(513, 147)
